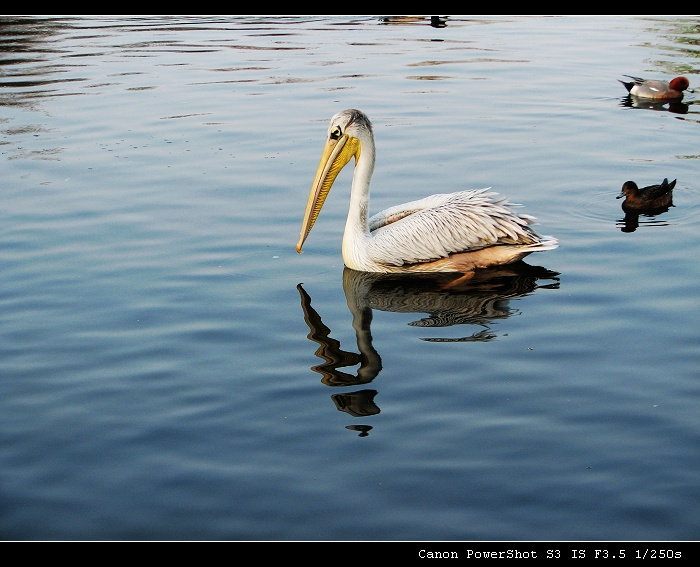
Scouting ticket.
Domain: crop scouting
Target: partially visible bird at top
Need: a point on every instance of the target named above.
(657, 90)
(649, 198)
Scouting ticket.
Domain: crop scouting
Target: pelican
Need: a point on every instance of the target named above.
(449, 232)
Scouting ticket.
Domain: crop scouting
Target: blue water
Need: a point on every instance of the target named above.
(171, 368)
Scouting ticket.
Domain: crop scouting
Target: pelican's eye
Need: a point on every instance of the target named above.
(336, 133)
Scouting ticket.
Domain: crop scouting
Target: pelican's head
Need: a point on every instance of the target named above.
(345, 131)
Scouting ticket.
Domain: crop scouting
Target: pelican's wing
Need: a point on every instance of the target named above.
(443, 224)
(397, 212)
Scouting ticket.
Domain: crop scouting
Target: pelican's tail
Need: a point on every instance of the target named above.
(546, 243)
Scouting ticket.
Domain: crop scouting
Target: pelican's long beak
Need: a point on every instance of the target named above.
(336, 156)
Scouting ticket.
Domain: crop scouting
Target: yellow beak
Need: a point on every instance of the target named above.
(336, 156)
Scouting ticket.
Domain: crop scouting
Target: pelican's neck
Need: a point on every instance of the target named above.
(357, 227)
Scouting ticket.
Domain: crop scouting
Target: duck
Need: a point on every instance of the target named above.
(656, 90)
(649, 198)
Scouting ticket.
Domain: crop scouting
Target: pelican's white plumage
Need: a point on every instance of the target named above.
(447, 232)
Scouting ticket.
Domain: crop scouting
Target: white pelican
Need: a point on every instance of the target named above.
(451, 232)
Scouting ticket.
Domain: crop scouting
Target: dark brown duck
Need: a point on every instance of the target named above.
(648, 198)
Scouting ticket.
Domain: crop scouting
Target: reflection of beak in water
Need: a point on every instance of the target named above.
(448, 299)
(360, 403)
(330, 351)
(677, 107)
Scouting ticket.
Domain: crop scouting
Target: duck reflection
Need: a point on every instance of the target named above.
(631, 221)
(677, 107)
(478, 298)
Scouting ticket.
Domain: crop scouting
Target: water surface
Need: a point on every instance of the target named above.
(170, 367)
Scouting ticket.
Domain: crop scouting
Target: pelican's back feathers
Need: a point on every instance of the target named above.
(448, 223)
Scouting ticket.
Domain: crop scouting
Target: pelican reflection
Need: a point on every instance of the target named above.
(478, 298)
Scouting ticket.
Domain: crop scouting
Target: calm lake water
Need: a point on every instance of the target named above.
(171, 368)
